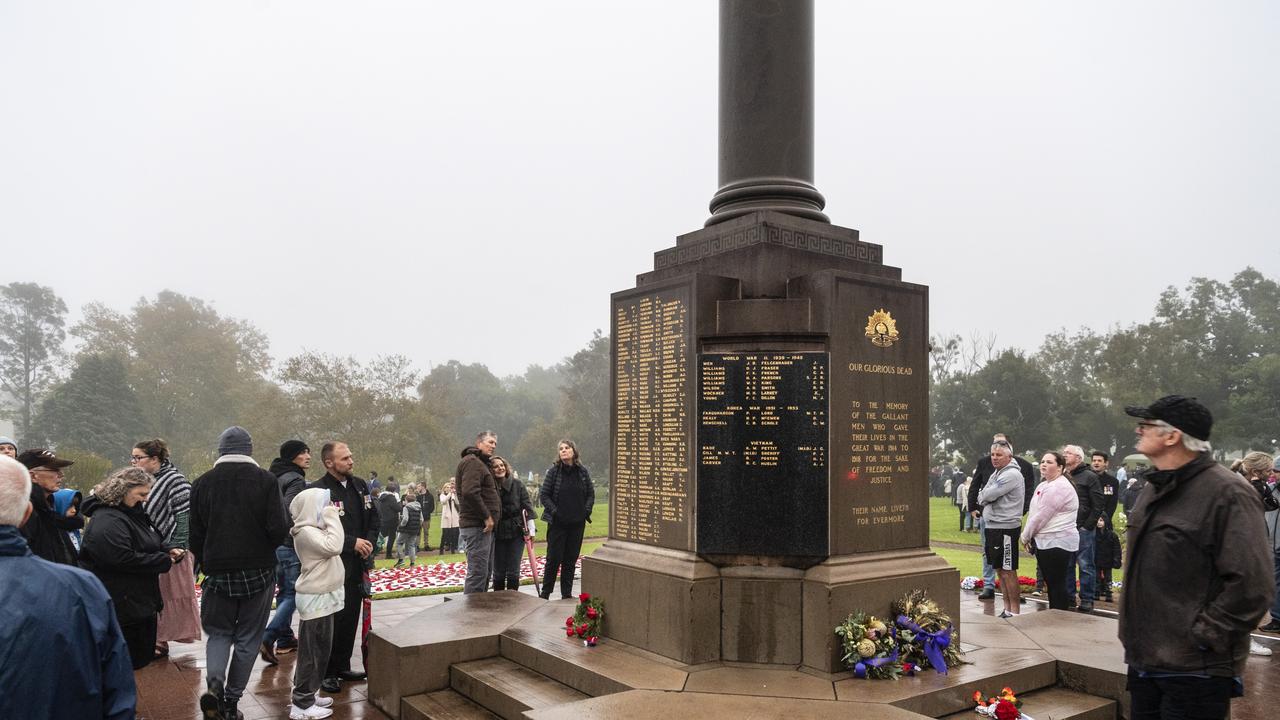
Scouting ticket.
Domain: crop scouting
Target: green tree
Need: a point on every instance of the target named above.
(194, 371)
(32, 318)
(93, 410)
(1009, 394)
(586, 403)
(369, 407)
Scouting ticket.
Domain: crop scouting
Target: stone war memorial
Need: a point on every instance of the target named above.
(770, 449)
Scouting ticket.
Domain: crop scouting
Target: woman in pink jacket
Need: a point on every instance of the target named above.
(1050, 530)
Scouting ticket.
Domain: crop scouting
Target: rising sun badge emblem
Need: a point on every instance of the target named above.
(882, 329)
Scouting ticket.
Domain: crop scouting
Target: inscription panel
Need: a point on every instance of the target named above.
(880, 427)
(652, 341)
(762, 453)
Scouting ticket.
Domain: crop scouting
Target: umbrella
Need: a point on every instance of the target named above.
(528, 546)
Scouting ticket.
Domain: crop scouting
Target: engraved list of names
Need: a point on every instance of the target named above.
(652, 388)
(762, 453)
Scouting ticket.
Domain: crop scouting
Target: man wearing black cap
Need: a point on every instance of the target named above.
(290, 470)
(43, 533)
(1197, 579)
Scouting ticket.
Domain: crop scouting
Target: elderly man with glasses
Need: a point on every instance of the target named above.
(43, 533)
(1197, 576)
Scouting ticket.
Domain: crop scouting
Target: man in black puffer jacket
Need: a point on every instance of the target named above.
(237, 522)
(290, 470)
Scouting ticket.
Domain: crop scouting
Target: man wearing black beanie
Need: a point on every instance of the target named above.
(290, 470)
(237, 522)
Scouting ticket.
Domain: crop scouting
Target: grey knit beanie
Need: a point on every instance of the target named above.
(235, 440)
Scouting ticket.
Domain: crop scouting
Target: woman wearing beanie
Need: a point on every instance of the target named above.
(317, 538)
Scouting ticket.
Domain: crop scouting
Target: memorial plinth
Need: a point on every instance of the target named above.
(770, 445)
(769, 417)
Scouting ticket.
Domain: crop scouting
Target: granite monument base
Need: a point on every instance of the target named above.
(676, 605)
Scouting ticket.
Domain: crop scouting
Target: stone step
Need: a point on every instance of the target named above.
(442, 705)
(539, 643)
(508, 689)
(1057, 704)
(934, 695)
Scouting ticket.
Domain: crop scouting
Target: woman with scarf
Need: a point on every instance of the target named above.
(170, 508)
(124, 550)
(567, 497)
(509, 535)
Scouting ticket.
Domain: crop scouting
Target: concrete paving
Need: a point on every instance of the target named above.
(169, 688)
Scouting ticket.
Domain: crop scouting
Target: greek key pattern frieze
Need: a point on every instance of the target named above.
(757, 234)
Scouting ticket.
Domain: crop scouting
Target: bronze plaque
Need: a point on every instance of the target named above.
(879, 416)
(653, 384)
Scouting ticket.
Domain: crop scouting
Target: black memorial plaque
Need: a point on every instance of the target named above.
(762, 453)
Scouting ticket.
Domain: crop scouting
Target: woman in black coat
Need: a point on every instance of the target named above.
(126, 552)
(512, 529)
(567, 497)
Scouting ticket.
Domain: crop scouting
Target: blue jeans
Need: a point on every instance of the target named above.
(1088, 569)
(988, 572)
(288, 567)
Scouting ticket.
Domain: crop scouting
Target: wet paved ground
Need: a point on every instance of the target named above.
(169, 689)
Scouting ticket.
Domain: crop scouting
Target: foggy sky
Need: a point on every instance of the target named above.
(471, 180)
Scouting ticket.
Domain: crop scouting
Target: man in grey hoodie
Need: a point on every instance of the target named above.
(1001, 501)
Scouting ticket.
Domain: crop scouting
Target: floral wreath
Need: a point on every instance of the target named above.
(920, 636)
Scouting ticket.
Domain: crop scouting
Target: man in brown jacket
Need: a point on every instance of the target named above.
(479, 510)
(1197, 575)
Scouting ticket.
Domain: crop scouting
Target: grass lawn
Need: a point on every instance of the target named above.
(599, 527)
(944, 523)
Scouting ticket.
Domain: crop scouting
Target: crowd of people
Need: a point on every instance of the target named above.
(115, 569)
(1201, 552)
(123, 562)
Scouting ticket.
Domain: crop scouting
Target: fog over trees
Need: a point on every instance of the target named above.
(173, 367)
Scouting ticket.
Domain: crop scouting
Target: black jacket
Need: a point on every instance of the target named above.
(551, 489)
(127, 554)
(388, 508)
(44, 533)
(293, 480)
(237, 518)
(1110, 498)
(515, 499)
(1198, 573)
(1089, 490)
(985, 470)
(359, 519)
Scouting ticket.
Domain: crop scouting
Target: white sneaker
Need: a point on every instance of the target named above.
(1256, 648)
(315, 711)
(323, 700)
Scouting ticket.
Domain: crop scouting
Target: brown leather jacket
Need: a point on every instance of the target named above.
(1198, 572)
